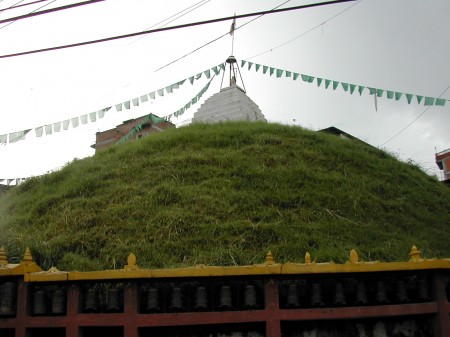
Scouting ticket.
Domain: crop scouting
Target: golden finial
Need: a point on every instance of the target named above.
(131, 262)
(3, 257)
(27, 257)
(414, 254)
(353, 256)
(269, 258)
(307, 258)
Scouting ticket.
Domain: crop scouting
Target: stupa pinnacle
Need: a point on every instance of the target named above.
(230, 103)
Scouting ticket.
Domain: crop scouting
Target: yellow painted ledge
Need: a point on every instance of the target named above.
(33, 273)
(27, 265)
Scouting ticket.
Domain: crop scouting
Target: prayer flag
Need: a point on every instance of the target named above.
(75, 122)
(66, 124)
(39, 131)
(233, 26)
(319, 81)
(429, 101)
(93, 116)
(48, 129)
(84, 119)
(57, 126)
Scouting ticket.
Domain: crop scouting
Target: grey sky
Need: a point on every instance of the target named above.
(397, 45)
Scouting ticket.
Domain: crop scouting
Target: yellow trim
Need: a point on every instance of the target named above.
(261, 270)
(33, 273)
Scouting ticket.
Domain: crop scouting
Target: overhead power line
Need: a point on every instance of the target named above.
(47, 4)
(27, 4)
(18, 2)
(186, 10)
(173, 27)
(304, 33)
(51, 10)
(214, 40)
(410, 123)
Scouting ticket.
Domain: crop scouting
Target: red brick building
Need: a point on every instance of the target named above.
(443, 162)
(131, 129)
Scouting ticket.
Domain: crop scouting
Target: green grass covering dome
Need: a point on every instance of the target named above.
(225, 194)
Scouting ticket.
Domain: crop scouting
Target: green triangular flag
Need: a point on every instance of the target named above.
(242, 63)
(327, 83)
(352, 88)
(390, 94)
(429, 100)
(335, 84)
(419, 99)
(398, 95)
(361, 89)
(182, 82)
(279, 73)
(296, 75)
(198, 76)
(440, 101)
(207, 73)
(380, 92)
(409, 97)
(169, 89)
(271, 71)
(175, 86)
(319, 81)
(152, 95)
(194, 100)
(305, 78)
(222, 66)
(265, 69)
(161, 92)
(188, 105)
(344, 86)
(191, 79)
(311, 79)
(257, 66)
(216, 70)
(372, 91)
(250, 65)
(288, 73)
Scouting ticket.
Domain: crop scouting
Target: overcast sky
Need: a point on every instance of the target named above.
(400, 45)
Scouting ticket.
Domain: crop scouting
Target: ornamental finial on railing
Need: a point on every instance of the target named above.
(353, 256)
(131, 262)
(269, 258)
(307, 258)
(3, 257)
(415, 254)
(27, 257)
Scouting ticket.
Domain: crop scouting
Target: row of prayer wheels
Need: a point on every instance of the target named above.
(157, 298)
(354, 292)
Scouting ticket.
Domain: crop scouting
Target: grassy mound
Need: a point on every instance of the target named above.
(226, 194)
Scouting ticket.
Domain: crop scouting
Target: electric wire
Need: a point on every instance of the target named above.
(214, 40)
(27, 4)
(304, 33)
(18, 2)
(10, 23)
(51, 10)
(410, 123)
(170, 17)
(192, 24)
